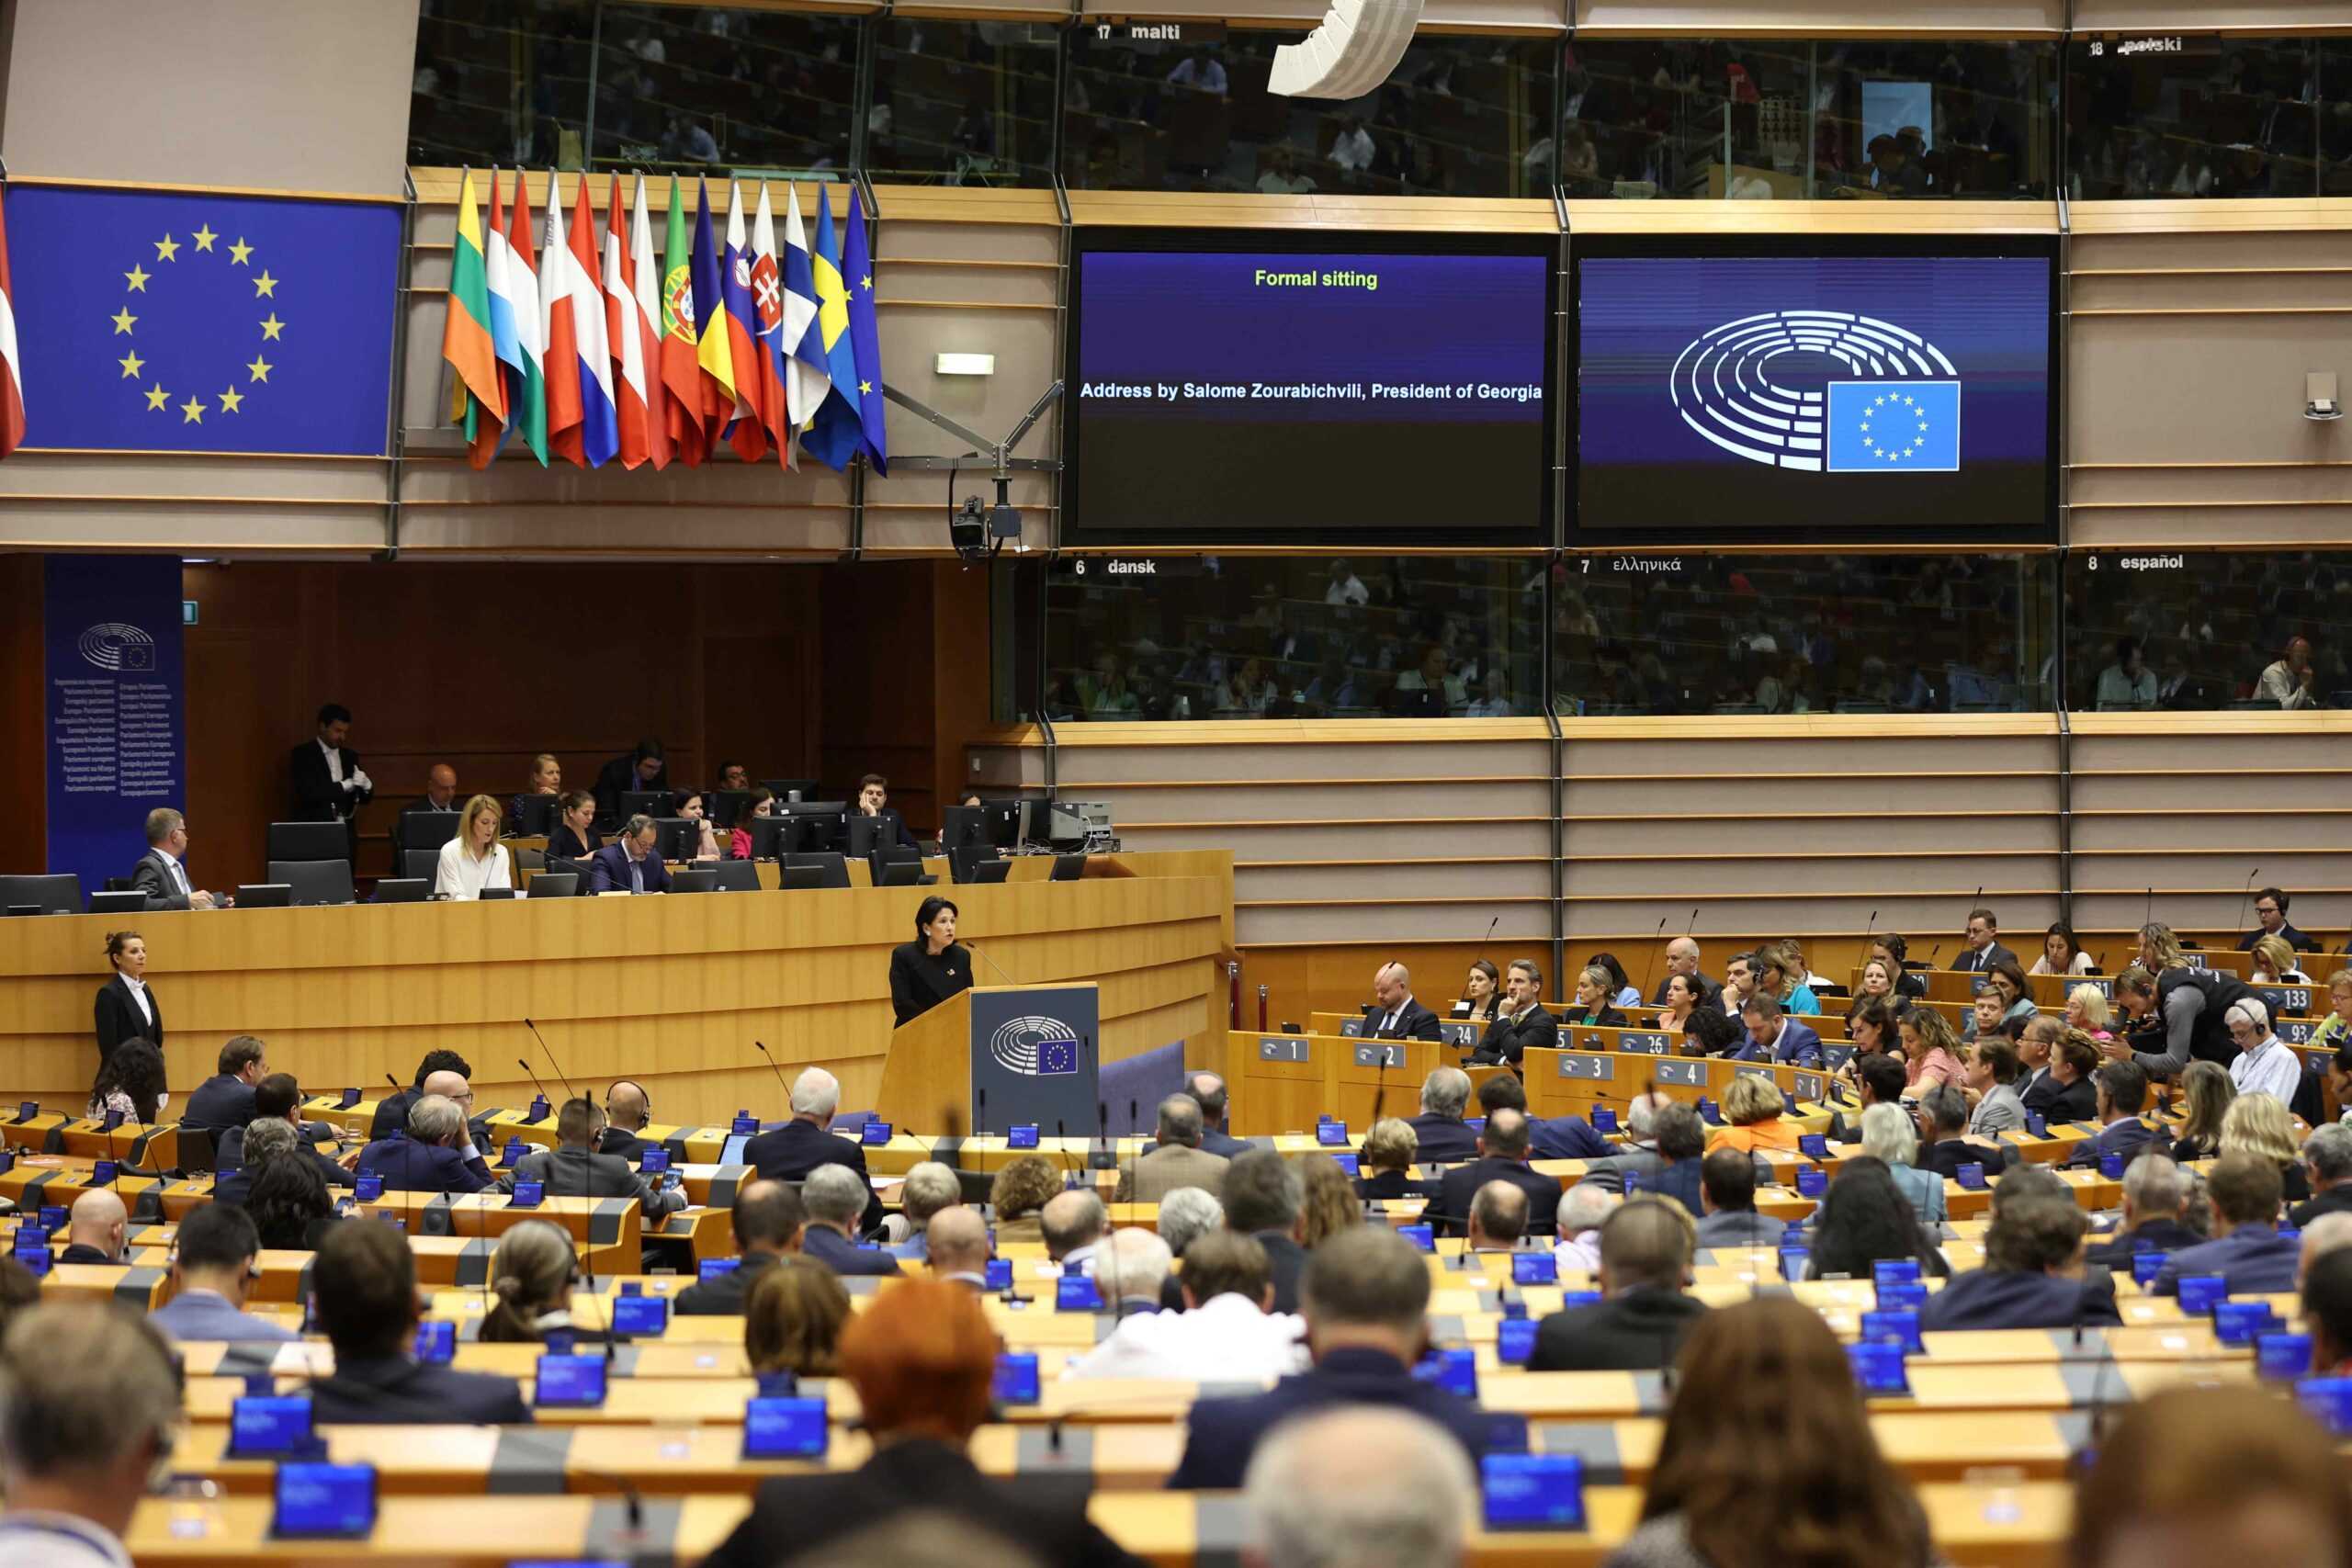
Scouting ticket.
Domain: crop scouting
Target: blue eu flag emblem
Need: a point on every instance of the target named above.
(1893, 427)
(1057, 1056)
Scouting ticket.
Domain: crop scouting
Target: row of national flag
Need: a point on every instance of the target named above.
(597, 353)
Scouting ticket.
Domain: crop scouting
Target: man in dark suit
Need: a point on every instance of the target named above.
(277, 1098)
(2121, 1091)
(1727, 1189)
(1943, 1135)
(2153, 1195)
(161, 872)
(631, 863)
(574, 1170)
(790, 1152)
(1209, 1090)
(1646, 1248)
(2271, 908)
(1399, 1017)
(1443, 1135)
(835, 1197)
(364, 1283)
(2033, 1275)
(391, 1113)
(1878, 1080)
(1669, 1163)
(325, 780)
(225, 1100)
(436, 1154)
(440, 796)
(96, 1229)
(1981, 947)
(1522, 1021)
(1682, 958)
(642, 769)
(768, 1220)
(1365, 1295)
(873, 800)
(1264, 1197)
(1553, 1137)
(2246, 1249)
(2327, 1155)
(627, 1108)
(1502, 1156)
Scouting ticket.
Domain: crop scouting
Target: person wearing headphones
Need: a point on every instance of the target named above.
(627, 1108)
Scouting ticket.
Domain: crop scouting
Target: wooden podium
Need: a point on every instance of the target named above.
(996, 1057)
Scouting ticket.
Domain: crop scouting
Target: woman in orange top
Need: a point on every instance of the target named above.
(1930, 1050)
(1752, 1105)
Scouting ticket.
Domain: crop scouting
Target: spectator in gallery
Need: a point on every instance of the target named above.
(1281, 177)
(2128, 682)
(1440, 692)
(1345, 587)
(2289, 683)
(1352, 149)
(1199, 70)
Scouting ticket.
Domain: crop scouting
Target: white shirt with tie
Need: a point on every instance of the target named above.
(1388, 1021)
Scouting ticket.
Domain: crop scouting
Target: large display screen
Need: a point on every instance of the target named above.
(1795, 391)
(1298, 388)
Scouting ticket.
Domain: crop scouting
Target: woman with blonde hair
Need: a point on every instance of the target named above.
(1753, 1109)
(531, 1273)
(2086, 1009)
(546, 778)
(474, 859)
(2207, 1087)
(1592, 1009)
(2260, 1125)
(1931, 1049)
(2335, 1030)
(1889, 1134)
(1331, 1202)
(792, 1319)
(2159, 948)
(1388, 1161)
(2274, 963)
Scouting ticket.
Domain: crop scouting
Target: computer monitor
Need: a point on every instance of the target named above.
(117, 903)
(554, 884)
(534, 815)
(679, 837)
(402, 890)
(424, 829)
(703, 881)
(815, 870)
(822, 824)
(769, 835)
(723, 804)
(1007, 820)
(866, 834)
(1068, 868)
(963, 828)
(908, 872)
(644, 803)
(309, 841)
(789, 790)
(265, 896)
(968, 866)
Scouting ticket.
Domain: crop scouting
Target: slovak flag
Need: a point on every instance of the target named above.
(767, 298)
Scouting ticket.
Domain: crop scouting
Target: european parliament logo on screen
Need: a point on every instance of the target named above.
(1898, 413)
(1034, 1047)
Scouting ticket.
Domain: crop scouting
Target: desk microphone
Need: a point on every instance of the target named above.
(534, 1080)
(1490, 932)
(761, 1047)
(397, 1086)
(993, 965)
(980, 1095)
(550, 1057)
(1650, 964)
(2246, 896)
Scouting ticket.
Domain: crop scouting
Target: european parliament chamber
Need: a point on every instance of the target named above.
(1443, 784)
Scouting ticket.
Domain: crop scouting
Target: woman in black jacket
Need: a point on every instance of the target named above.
(126, 1008)
(1592, 1009)
(932, 968)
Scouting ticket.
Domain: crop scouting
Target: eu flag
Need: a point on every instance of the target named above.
(1894, 427)
(165, 321)
(1056, 1057)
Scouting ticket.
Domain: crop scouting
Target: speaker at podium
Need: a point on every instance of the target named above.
(1005, 1054)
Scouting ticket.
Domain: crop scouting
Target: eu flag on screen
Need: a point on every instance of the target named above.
(1055, 1057)
(158, 320)
(1891, 427)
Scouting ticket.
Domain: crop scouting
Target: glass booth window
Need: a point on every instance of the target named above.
(709, 89)
(2205, 116)
(1710, 633)
(963, 103)
(1461, 115)
(1756, 120)
(1132, 638)
(501, 83)
(2259, 630)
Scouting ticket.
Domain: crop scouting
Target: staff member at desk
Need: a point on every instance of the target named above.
(643, 769)
(127, 1009)
(1525, 1022)
(691, 807)
(873, 800)
(932, 968)
(738, 838)
(628, 865)
(575, 836)
(474, 859)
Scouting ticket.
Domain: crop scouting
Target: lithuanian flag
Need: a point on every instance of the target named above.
(477, 393)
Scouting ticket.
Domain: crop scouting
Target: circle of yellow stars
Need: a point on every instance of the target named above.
(1894, 415)
(231, 398)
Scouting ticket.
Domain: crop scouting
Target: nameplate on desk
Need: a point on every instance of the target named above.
(2301, 1031)
(1752, 1070)
(1597, 1068)
(1977, 981)
(1352, 1028)
(1836, 1057)
(1646, 1045)
(1688, 1071)
(1807, 1086)
(2105, 985)
(2285, 998)
(1458, 1034)
(1380, 1055)
(1272, 1050)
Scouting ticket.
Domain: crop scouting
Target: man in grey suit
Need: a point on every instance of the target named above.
(160, 873)
(1179, 1161)
(573, 1170)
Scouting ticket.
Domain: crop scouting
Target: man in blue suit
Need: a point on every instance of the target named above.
(1365, 1295)
(435, 1155)
(2246, 1249)
(365, 1282)
(1552, 1137)
(1773, 1036)
(212, 1274)
(835, 1198)
(2121, 1089)
(629, 864)
(1442, 1137)
(2033, 1275)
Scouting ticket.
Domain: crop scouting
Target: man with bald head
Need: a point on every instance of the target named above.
(1073, 1224)
(1397, 1016)
(769, 1220)
(97, 1228)
(1646, 1249)
(440, 795)
(958, 1247)
(627, 1108)
(1498, 1218)
(1682, 958)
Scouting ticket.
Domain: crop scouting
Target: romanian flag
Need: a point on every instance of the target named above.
(865, 338)
(12, 386)
(712, 351)
(833, 438)
(477, 397)
(527, 401)
(681, 379)
(560, 364)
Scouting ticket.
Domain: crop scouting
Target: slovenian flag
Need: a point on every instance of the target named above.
(514, 278)
(806, 376)
(599, 436)
(833, 438)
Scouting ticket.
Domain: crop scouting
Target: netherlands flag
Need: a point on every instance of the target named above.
(584, 298)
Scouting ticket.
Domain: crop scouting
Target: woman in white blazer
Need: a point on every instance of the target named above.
(474, 859)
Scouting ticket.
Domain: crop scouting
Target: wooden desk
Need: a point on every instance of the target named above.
(665, 990)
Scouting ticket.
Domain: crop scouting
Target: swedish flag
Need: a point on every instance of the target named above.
(833, 438)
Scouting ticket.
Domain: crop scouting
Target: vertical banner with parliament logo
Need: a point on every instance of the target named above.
(1034, 1055)
(115, 737)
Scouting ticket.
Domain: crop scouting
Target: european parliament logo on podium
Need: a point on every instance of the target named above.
(1036, 1047)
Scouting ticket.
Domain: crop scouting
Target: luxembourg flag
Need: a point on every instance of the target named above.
(585, 299)
(807, 378)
